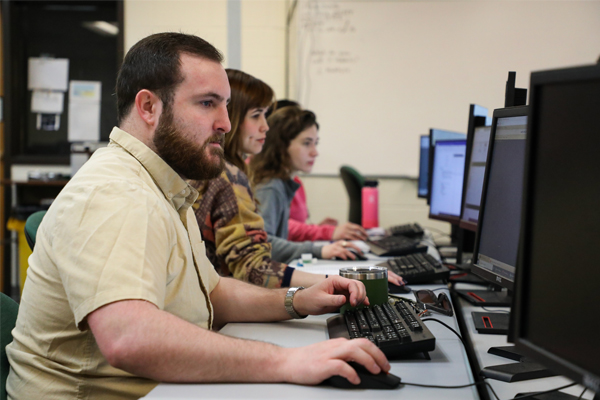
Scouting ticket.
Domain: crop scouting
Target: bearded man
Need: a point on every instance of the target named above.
(119, 293)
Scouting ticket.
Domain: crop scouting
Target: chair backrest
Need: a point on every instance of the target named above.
(354, 183)
(31, 226)
(8, 318)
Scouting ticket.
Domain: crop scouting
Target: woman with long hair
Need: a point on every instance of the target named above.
(290, 148)
(233, 231)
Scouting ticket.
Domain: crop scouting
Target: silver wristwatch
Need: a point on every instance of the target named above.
(289, 300)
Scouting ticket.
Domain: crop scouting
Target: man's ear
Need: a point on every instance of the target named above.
(148, 107)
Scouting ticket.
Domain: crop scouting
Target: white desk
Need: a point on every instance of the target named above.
(481, 343)
(448, 365)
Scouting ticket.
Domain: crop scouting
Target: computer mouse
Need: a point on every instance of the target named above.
(398, 289)
(367, 380)
(359, 257)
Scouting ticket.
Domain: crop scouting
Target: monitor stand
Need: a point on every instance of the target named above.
(494, 297)
(552, 396)
(523, 370)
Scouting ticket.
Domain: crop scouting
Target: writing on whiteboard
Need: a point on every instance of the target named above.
(324, 23)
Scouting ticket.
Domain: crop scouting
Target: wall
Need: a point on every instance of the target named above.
(263, 55)
(380, 73)
(262, 33)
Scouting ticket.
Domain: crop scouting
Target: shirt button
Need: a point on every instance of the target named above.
(169, 195)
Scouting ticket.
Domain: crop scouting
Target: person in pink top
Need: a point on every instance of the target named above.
(328, 229)
(298, 228)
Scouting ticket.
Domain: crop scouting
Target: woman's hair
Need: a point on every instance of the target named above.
(274, 160)
(247, 92)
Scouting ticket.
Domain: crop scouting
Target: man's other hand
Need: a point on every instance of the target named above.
(329, 295)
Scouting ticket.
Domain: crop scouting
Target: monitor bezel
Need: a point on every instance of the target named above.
(447, 218)
(430, 161)
(426, 195)
(519, 111)
(526, 347)
(475, 121)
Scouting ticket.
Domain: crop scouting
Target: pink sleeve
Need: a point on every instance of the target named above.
(299, 232)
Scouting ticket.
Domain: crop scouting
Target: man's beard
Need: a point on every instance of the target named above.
(185, 157)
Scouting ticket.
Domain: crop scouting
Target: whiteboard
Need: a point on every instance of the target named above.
(380, 73)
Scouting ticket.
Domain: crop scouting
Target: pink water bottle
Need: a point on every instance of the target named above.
(370, 205)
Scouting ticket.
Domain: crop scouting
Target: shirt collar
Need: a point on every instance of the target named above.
(175, 189)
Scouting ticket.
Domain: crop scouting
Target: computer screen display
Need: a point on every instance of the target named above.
(475, 173)
(496, 249)
(434, 136)
(447, 180)
(423, 189)
(557, 298)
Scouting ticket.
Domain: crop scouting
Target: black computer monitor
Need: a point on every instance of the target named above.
(423, 189)
(478, 117)
(557, 298)
(447, 180)
(496, 247)
(475, 172)
(434, 136)
(498, 229)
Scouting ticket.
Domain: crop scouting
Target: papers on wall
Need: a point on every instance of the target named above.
(84, 111)
(47, 102)
(47, 77)
(48, 74)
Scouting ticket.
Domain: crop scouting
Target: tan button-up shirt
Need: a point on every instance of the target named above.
(121, 229)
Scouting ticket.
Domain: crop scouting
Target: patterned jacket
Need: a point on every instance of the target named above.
(233, 231)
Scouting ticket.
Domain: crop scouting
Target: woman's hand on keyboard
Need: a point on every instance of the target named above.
(395, 279)
(329, 295)
(313, 364)
(349, 231)
(340, 249)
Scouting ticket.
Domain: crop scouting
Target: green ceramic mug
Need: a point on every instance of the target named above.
(375, 280)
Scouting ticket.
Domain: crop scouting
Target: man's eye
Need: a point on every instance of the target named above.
(206, 103)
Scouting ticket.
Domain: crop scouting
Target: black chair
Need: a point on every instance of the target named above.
(354, 183)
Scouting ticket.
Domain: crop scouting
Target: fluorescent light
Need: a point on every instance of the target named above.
(102, 27)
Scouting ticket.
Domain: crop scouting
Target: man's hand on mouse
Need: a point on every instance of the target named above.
(313, 364)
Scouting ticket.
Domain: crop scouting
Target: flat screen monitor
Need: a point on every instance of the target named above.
(423, 189)
(557, 298)
(447, 180)
(475, 172)
(434, 136)
(496, 247)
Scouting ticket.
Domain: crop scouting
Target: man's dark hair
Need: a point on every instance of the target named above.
(153, 63)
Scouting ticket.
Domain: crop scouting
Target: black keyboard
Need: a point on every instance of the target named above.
(391, 246)
(408, 230)
(417, 268)
(396, 329)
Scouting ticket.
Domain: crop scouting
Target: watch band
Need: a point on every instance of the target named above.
(289, 302)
